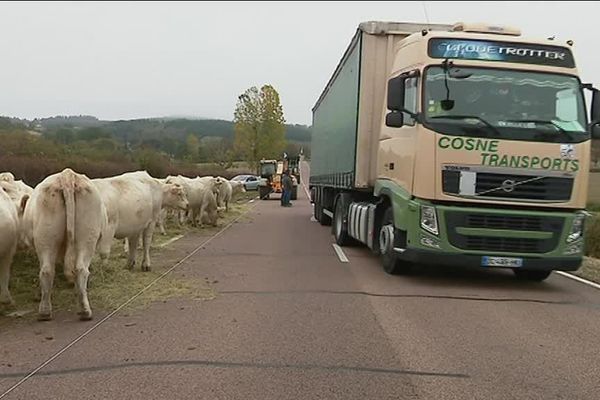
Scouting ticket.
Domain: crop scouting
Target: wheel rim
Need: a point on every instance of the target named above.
(386, 239)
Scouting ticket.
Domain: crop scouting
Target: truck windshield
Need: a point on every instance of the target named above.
(509, 104)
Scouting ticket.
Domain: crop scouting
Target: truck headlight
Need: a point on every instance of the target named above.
(429, 219)
(576, 228)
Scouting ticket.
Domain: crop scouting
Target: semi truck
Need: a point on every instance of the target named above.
(455, 145)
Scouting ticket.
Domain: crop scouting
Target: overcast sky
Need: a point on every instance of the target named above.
(135, 60)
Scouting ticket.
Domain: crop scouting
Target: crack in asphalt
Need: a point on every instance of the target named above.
(418, 296)
(224, 364)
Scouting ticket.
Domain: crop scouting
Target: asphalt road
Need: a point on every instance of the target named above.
(290, 321)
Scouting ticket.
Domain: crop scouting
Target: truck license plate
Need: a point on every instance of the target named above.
(512, 262)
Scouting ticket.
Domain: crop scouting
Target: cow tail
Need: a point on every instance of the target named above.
(68, 188)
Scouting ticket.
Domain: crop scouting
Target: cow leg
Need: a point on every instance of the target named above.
(194, 217)
(147, 241)
(5, 262)
(202, 213)
(47, 265)
(161, 221)
(214, 217)
(83, 273)
(105, 243)
(132, 240)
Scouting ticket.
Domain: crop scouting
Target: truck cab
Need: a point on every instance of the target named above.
(472, 148)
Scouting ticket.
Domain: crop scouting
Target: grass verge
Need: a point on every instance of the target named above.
(112, 284)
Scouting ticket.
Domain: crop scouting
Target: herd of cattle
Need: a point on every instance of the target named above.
(68, 217)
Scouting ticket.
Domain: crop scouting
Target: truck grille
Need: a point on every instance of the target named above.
(503, 244)
(506, 186)
(483, 220)
(503, 222)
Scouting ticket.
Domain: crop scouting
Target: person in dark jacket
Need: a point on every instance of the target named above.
(286, 183)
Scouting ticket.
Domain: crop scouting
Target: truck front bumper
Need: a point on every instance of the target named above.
(430, 257)
(467, 235)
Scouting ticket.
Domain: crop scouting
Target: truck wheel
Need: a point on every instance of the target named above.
(263, 192)
(529, 275)
(389, 258)
(339, 227)
(294, 195)
(323, 219)
(316, 211)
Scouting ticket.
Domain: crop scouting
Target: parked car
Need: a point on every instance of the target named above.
(250, 181)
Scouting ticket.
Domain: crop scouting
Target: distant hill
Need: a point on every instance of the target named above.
(82, 121)
(140, 130)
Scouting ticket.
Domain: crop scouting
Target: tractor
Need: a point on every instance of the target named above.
(271, 172)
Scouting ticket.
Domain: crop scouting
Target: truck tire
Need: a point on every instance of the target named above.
(529, 275)
(320, 216)
(294, 195)
(389, 258)
(339, 227)
(316, 211)
(323, 219)
(263, 192)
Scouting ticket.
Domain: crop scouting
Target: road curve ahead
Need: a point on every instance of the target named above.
(291, 321)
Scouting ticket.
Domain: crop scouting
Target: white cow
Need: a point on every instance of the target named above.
(16, 190)
(64, 220)
(133, 202)
(9, 235)
(227, 190)
(167, 209)
(201, 194)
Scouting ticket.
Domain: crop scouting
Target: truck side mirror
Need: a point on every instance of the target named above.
(595, 112)
(395, 95)
(595, 131)
(395, 119)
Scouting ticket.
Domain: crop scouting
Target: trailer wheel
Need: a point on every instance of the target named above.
(339, 226)
(323, 218)
(529, 275)
(389, 258)
(320, 216)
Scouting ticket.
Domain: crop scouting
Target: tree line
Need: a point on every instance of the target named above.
(37, 148)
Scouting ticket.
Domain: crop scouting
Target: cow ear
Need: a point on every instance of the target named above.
(24, 201)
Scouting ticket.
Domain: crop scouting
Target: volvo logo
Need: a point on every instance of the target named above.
(508, 185)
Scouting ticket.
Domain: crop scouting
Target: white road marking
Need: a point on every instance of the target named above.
(578, 279)
(168, 242)
(340, 253)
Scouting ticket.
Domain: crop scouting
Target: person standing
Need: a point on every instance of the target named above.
(286, 183)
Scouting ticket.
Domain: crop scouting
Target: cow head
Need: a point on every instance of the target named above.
(217, 182)
(174, 197)
(7, 177)
(238, 187)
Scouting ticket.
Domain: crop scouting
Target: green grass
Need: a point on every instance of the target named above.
(594, 188)
(590, 269)
(112, 284)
